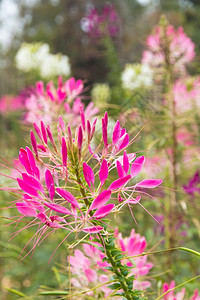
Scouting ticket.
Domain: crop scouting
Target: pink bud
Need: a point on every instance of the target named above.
(37, 130)
(82, 116)
(88, 174)
(44, 133)
(62, 124)
(69, 133)
(89, 130)
(80, 137)
(50, 136)
(104, 133)
(64, 152)
(34, 142)
(103, 172)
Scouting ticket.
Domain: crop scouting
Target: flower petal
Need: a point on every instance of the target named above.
(100, 200)
(137, 166)
(88, 174)
(149, 183)
(119, 183)
(67, 196)
(58, 208)
(103, 172)
(103, 211)
(93, 229)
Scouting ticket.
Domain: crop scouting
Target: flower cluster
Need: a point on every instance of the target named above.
(187, 94)
(47, 103)
(88, 269)
(181, 48)
(100, 25)
(78, 179)
(10, 103)
(180, 295)
(101, 94)
(137, 76)
(36, 57)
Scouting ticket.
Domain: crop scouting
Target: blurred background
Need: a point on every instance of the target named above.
(61, 25)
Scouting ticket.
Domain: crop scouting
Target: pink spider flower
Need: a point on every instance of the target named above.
(77, 193)
(186, 94)
(133, 246)
(46, 104)
(180, 46)
(100, 25)
(10, 104)
(178, 296)
(88, 270)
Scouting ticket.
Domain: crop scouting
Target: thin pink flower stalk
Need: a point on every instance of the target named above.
(181, 48)
(88, 270)
(45, 104)
(179, 295)
(101, 25)
(78, 192)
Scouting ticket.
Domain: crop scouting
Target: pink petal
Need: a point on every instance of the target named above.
(125, 162)
(82, 116)
(120, 170)
(64, 152)
(67, 196)
(27, 188)
(62, 124)
(80, 137)
(100, 200)
(93, 229)
(50, 184)
(91, 275)
(30, 180)
(23, 158)
(103, 211)
(32, 163)
(149, 183)
(26, 210)
(137, 166)
(135, 201)
(88, 174)
(119, 183)
(103, 172)
(44, 133)
(104, 133)
(124, 142)
(116, 132)
(58, 208)
(33, 142)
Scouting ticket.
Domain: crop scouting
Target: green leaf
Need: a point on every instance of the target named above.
(114, 286)
(15, 292)
(54, 293)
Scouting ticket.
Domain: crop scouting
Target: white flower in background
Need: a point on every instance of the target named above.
(137, 76)
(100, 94)
(36, 57)
(54, 65)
